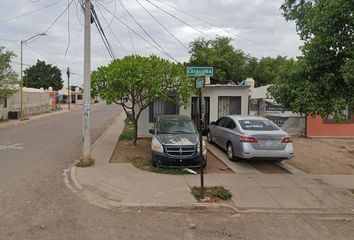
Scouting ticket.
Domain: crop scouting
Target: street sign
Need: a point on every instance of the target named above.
(199, 71)
(199, 82)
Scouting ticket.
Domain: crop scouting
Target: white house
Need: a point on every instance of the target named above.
(220, 100)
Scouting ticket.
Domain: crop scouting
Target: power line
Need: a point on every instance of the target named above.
(8, 40)
(196, 29)
(141, 27)
(30, 12)
(213, 25)
(162, 26)
(67, 48)
(102, 34)
(56, 20)
(114, 35)
(127, 26)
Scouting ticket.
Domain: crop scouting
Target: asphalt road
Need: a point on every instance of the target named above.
(36, 204)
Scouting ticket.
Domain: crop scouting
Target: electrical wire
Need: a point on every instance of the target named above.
(171, 34)
(56, 20)
(130, 36)
(170, 14)
(102, 34)
(30, 12)
(127, 26)
(114, 35)
(213, 25)
(67, 48)
(141, 27)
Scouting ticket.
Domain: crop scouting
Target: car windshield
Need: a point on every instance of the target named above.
(170, 126)
(258, 125)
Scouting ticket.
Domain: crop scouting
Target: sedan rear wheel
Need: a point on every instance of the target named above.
(230, 152)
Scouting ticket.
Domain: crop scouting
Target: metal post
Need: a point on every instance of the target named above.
(21, 85)
(69, 94)
(201, 145)
(86, 156)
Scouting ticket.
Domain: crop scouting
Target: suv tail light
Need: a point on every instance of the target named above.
(247, 139)
(286, 140)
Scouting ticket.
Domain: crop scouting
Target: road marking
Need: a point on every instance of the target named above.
(13, 146)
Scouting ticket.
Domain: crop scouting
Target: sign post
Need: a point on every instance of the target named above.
(200, 73)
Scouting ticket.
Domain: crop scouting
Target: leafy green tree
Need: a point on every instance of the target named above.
(42, 75)
(8, 77)
(134, 82)
(321, 82)
(267, 69)
(227, 61)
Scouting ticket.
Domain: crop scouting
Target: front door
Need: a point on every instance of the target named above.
(195, 111)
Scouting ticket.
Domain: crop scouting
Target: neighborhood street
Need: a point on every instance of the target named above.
(36, 204)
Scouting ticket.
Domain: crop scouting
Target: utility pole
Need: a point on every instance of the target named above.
(21, 83)
(86, 151)
(69, 94)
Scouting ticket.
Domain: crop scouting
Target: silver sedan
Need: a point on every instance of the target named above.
(250, 138)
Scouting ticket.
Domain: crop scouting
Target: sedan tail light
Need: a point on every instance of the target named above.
(286, 140)
(247, 139)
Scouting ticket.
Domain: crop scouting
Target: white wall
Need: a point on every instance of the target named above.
(33, 103)
(210, 91)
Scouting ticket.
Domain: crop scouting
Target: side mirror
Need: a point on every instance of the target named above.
(152, 131)
(212, 123)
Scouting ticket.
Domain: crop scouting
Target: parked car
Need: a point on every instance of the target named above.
(246, 137)
(176, 142)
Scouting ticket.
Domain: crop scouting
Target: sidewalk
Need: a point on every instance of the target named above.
(112, 185)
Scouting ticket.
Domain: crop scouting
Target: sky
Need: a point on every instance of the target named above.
(256, 27)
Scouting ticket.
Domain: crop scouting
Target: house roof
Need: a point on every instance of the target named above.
(260, 92)
(226, 85)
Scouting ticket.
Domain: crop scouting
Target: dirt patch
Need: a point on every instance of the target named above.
(324, 156)
(125, 151)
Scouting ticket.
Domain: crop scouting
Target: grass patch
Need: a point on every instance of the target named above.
(82, 164)
(149, 166)
(351, 190)
(212, 194)
(128, 130)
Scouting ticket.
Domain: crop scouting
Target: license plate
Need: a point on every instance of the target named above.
(268, 143)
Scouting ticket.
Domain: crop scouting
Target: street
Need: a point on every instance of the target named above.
(36, 204)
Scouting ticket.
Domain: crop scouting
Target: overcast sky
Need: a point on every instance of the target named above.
(256, 26)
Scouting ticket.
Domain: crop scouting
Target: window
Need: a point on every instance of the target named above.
(79, 97)
(162, 107)
(3, 101)
(258, 125)
(229, 106)
(230, 124)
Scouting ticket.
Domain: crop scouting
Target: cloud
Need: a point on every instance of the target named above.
(256, 26)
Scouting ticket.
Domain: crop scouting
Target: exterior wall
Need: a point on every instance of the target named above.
(33, 103)
(210, 91)
(214, 92)
(317, 128)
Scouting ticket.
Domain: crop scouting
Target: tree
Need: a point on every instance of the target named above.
(266, 70)
(227, 61)
(321, 82)
(134, 82)
(8, 77)
(42, 75)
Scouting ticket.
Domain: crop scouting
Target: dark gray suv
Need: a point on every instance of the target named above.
(176, 142)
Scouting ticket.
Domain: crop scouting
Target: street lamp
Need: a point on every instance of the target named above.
(21, 84)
